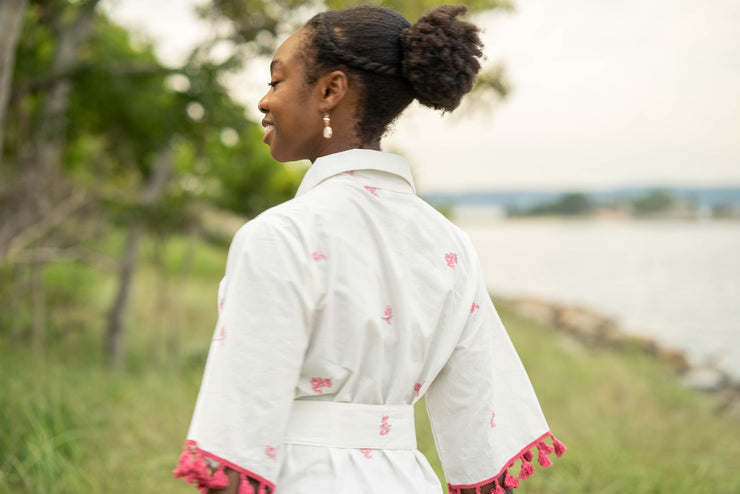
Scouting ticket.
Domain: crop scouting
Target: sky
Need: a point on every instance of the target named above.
(604, 94)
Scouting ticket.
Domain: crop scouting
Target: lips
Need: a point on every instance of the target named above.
(269, 126)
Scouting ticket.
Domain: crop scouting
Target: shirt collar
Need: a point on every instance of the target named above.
(356, 159)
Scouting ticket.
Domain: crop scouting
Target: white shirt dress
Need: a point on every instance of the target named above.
(338, 310)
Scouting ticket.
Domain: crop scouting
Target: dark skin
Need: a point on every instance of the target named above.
(294, 110)
(294, 131)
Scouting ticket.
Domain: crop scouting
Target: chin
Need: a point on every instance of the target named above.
(282, 156)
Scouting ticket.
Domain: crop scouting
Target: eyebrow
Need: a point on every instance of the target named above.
(275, 62)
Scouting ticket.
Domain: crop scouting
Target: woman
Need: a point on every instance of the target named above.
(342, 307)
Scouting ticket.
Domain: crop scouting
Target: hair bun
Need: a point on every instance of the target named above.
(440, 56)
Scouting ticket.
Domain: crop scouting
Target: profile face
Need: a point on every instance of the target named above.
(293, 123)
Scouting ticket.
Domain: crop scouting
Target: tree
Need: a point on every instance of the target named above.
(102, 135)
(654, 202)
(11, 21)
(570, 204)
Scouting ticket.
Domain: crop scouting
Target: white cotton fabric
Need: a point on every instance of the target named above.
(351, 425)
(357, 291)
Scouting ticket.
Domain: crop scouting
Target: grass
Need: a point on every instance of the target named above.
(70, 425)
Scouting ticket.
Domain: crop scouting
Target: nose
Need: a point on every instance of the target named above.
(263, 105)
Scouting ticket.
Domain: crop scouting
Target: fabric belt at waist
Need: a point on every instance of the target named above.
(351, 425)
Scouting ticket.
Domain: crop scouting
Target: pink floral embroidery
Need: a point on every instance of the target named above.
(493, 424)
(221, 335)
(367, 453)
(221, 303)
(473, 307)
(418, 386)
(271, 452)
(385, 426)
(451, 259)
(388, 314)
(318, 255)
(372, 190)
(352, 173)
(320, 382)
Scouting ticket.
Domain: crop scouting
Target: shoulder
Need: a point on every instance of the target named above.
(277, 232)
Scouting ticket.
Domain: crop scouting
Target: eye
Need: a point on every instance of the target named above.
(273, 83)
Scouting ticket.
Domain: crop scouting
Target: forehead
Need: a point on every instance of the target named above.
(288, 52)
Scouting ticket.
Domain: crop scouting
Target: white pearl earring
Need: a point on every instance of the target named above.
(327, 127)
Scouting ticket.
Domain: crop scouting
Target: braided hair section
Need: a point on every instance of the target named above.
(350, 59)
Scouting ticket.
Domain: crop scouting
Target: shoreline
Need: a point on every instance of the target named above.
(593, 329)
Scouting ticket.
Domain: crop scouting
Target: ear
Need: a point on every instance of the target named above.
(332, 89)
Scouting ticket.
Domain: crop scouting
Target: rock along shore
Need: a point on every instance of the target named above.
(593, 329)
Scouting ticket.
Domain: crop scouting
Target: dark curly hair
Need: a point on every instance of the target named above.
(434, 61)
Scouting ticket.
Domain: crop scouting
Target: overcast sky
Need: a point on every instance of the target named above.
(634, 92)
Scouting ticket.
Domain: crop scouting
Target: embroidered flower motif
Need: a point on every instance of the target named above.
(474, 307)
(493, 415)
(372, 190)
(320, 382)
(221, 335)
(271, 452)
(221, 303)
(318, 255)
(418, 386)
(451, 259)
(388, 314)
(385, 426)
(367, 453)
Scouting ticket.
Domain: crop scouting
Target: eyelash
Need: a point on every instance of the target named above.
(273, 83)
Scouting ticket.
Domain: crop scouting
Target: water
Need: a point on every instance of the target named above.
(677, 282)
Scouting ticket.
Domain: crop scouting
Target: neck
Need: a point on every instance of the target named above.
(342, 145)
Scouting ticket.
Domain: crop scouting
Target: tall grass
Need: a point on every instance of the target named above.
(70, 425)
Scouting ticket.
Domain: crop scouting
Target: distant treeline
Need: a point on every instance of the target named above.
(653, 203)
(719, 203)
(578, 203)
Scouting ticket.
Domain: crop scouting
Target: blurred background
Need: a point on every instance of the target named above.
(596, 167)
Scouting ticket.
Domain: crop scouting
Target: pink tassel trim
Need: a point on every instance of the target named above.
(192, 467)
(219, 480)
(558, 447)
(510, 482)
(525, 456)
(245, 486)
(526, 471)
(497, 490)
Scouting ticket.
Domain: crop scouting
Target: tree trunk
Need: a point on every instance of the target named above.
(50, 137)
(11, 22)
(149, 195)
(114, 337)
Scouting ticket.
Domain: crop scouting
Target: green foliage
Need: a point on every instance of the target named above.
(124, 110)
(126, 113)
(413, 9)
(654, 202)
(570, 204)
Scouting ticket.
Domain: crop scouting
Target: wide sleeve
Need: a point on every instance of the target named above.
(242, 410)
(484, 414)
